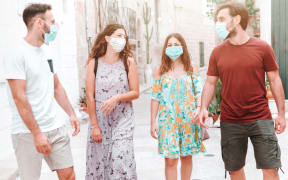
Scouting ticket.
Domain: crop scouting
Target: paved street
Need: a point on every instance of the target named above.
(150, 166)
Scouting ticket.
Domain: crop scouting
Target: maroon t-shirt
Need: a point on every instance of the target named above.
(241, 69)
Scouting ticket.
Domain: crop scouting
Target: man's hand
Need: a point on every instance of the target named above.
(203, 117)
(75, 125)
(280, 124)
(18, 89)
(42, 144)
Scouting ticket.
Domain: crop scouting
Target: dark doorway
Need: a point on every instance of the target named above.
(279, 38)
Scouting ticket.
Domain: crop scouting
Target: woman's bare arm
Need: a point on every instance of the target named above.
(133, 83)
(90, 93)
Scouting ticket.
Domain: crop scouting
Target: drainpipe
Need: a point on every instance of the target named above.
(156, 19)
(88, 39)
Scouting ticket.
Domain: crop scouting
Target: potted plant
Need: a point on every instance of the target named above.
(269, 94)
(82, 101)
(214, 107)
(213, 112)
(148, 36)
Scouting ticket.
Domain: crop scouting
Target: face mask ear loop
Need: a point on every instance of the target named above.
(233, 27)
(43, 36)
(231, 22)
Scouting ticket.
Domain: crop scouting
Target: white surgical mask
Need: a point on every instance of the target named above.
(117, 44)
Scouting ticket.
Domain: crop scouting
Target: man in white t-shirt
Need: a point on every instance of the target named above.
(34, 86)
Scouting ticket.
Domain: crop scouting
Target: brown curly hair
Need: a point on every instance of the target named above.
(166, 62)
(100, 45)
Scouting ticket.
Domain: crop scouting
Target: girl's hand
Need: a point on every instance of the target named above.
(195, 116)
(154, 130)
(108, 106)
(96, 134)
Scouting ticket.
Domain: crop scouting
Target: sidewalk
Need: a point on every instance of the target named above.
(8, 165)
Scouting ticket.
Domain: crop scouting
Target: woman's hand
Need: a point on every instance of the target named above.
(96, 134)
(154, 130)
(108, 106)
(195, 116)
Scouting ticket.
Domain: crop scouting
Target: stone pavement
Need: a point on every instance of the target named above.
(150, 166)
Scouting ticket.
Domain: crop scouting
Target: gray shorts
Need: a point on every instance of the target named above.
(234, 144)
(30, 161)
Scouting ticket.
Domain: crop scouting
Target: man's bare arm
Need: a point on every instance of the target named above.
(18, 89)
(278, 93)
(208, 91)
(206, 98)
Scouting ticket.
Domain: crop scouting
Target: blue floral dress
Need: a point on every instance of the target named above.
(178, 136)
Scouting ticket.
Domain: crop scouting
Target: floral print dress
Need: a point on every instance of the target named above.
(178, 136)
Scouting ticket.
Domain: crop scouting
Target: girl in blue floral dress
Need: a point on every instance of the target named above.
(175, 97)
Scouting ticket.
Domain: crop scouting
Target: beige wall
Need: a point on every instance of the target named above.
(88, 32)
(187, 18)
(82, 45)
(265, 19)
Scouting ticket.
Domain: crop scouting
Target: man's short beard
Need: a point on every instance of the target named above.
(233, 33)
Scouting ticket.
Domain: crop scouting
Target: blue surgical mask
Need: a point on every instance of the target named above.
(221, 30)
(49, 37)
(174, 52)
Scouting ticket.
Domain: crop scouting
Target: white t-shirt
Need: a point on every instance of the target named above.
(30, 63)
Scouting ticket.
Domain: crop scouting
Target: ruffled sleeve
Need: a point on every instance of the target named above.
(197, 85)
(156, 89)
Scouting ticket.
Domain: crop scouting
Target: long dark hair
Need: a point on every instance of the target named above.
(100, 45)
(166, 62)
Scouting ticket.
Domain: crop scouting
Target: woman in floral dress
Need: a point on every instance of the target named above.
(111, 85)
(176, 96)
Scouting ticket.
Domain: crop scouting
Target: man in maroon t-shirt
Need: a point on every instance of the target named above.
(241, 63)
